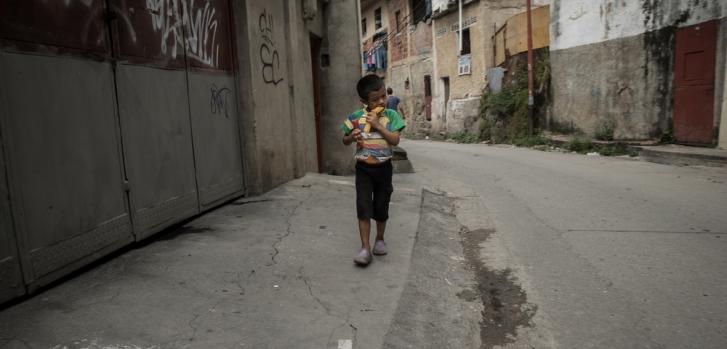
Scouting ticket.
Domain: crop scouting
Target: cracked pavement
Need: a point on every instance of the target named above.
(273, 271)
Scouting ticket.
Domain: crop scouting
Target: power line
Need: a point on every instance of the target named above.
(391, 34)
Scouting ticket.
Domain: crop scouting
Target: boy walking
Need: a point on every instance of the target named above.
(375, 131)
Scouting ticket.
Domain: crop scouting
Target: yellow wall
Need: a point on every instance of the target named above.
(446, 52)
(513, 38)
(481, 35)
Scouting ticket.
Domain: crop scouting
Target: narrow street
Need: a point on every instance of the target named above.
(491, 246)
(610, 252)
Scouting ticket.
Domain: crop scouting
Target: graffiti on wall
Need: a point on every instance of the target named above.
(180, 20)
(219, 100)
(268, 52)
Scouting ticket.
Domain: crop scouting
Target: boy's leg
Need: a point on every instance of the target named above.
(380, 246)
(382, 189)
(382, 196)
(364, 210)
(364, 229)
(380, 229)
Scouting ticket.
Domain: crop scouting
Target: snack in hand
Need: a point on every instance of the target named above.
(377, 110)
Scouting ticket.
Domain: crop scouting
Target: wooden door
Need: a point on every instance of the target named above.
(694, 70)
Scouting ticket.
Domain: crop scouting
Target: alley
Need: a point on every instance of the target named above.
(612, 252)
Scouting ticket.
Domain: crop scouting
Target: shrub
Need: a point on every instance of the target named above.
(605, 130)
(463, 137)
(579, 145)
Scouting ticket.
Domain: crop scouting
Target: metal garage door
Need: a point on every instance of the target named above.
(96, 106)
(60, 135)
(177, 108)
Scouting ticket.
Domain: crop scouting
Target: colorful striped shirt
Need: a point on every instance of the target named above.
(374, 148)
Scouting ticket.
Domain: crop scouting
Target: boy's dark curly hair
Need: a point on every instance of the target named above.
(368, 84)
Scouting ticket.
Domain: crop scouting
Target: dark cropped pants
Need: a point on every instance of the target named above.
(373, 190)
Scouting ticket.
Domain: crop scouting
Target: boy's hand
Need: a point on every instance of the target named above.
(373, 119)
(356, 135)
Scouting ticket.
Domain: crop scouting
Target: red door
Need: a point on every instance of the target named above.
(694, 83)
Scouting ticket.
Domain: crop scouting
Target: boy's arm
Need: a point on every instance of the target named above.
(390, 137)
(354, 136)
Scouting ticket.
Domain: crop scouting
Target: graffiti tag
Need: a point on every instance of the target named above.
(219, 100)
(268, 53)
(178, 20)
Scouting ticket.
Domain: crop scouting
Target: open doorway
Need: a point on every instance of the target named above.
(315, 54)
(445, 87)
(428, 97)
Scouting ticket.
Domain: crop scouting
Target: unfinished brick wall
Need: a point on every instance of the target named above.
(398, 41)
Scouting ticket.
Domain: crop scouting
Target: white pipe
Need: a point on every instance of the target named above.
(459, 43)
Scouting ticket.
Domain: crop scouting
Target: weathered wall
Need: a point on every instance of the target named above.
(411, 60)
(338, 83)
(421, 39)
(588, 95)
(368, 13)
(614, 63)
(575, 23)
(412, 97)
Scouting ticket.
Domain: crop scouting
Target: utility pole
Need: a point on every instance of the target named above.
(459, 42)
(531, 99)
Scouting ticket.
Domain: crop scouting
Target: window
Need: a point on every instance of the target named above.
(377, 18)
(419, 10)
(398, 21)
(363, 27)
(465, 42)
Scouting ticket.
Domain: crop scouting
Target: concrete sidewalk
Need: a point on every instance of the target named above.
(273, 271)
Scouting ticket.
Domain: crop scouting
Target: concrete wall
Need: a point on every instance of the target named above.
(276, 96)
(338, 83)
(266, 117)
(613, 63)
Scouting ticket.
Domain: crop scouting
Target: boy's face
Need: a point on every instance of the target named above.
(376, 98)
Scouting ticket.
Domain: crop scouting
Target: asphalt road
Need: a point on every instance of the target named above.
(609, 252)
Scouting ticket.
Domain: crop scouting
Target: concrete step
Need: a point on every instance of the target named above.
(681, 155)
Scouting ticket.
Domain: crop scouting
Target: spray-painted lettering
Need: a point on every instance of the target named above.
(178, 20)
(268, 53)
(219, 100)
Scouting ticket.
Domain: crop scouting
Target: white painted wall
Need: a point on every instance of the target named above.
(583, 22)
(441, 5)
